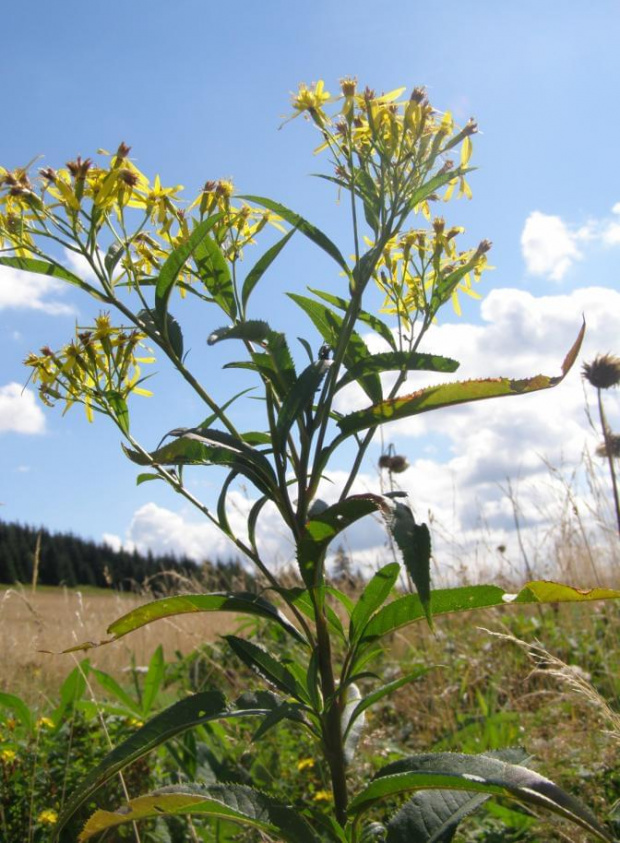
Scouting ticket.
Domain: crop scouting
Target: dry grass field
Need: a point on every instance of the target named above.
(57, 618)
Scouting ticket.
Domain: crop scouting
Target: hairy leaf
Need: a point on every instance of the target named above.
(267, 666)
(414, 542)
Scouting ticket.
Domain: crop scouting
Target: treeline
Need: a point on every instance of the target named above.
(65, 559)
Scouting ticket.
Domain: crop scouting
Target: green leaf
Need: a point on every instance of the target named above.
(17, 705)
(300, 598)
(298, 222)
(393, 361)
(186, 714)
(368, 318)
(206, 446)
(270, 668)
(373, 596)
(478, 774)
(212, 268)
(329, 325)
(232, 802)
(120, 409)
(435, 183)
(414, 542)
(153, 680)
(275, 364)
(112, 257)
(323, 527)
(409, 609)
(449, 394)
(293, 712)
(384, 691)
(174, 264)
(432, 816)
(145, 477)
(261, 266)
(300, 398)
(71, 690)
(241, 602)
(254, 330)
(171, 329)
(41, 267)
(109, 684)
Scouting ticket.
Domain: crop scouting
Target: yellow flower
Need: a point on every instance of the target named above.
(8, 755)
(322, 796)
(45, 722)
(308, 99)
(305, 764)
(48, 817)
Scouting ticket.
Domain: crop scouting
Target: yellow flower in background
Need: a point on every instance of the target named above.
(305, 764)
(48, 817)
(310, 99)
(45, 723)
(322, 796)
(8, 755)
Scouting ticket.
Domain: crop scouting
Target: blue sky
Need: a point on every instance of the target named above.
(199, 90)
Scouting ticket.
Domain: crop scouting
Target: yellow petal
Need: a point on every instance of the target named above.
(466, 150)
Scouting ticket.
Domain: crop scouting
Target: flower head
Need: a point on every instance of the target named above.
(603, 372)
(48, 817)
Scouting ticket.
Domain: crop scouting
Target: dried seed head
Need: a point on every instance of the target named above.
(79, 168)
(48, 174)
(609, 448)
(418, 95)
(123, 150)
(129, 177)
(483, 247)
(394, 464)
(603, 372)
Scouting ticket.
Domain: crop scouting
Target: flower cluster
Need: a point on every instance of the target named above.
(98, 369)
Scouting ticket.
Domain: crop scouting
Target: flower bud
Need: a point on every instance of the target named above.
(348, 86)
(603, 372)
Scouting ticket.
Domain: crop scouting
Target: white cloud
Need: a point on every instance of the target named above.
(80, 266)
(27, 291)
(611, 234)
(19, 411)
(548, 246)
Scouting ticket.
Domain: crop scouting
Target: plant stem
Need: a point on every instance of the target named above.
(610, 456)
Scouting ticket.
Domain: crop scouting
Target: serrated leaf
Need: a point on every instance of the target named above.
(267, 666)
(414, 542)
(253, 330)
(300, 398)
(322, 528)
(192, 711)
(478, 774)
(174, 264)
(394, 361)
(449, 394)
(409, 609)
(261, 266)
(433, 816)
(41, 267)
(232, 802)
(213, 271)
(169, 328)
(373, 596)
(240, 602)
(367, 318)
(306, 228)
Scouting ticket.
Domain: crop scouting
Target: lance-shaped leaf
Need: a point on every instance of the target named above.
(42, 267)
(449, 394)
(306, 228)
(373, 596)
(18, 707)
(206, 446)
(433, 816)
(409, 609)
(414, 542)
(398, 361)
(270, 668)
(240, 602)
(174, 264)
(435, 183)
(275, 364)
(367, 318)
(186, 714)
(261, 266)
(478, 774)
(254, 330)
(233, 802)
(300, 398)
(172, 330)
(323, 527)
(329, 325)
(213, 271)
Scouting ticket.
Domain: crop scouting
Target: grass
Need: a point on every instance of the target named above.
(54, 619)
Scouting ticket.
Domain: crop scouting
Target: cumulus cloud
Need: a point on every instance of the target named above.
(548, 246)
(27, 291)
(19, 411)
